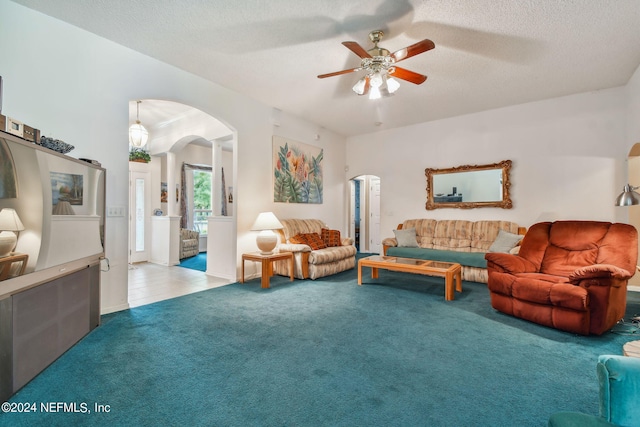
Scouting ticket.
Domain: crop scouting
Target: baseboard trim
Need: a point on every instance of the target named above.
(113, 309)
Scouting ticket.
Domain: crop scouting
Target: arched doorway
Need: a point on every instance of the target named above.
(180, 134)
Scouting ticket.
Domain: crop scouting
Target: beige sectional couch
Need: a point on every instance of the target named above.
(310, 263)
(461, 241)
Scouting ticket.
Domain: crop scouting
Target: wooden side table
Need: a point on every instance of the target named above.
(267, 264)
(7, 262)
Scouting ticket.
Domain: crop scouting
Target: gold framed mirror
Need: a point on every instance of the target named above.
(469, 186)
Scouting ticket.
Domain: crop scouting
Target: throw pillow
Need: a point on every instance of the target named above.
(298, 239)
(505, 242)
(406, 238)
(315, 241)
(331, 237)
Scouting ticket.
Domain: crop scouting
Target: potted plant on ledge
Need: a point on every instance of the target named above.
(138, 154)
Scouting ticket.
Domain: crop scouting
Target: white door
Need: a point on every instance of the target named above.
(352, 210)
(139, 216)
(375, 243)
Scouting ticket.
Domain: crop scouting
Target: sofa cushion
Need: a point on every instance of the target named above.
(469, 259)
(332, 254)
(549, 290)
(425, 229)
(505, 242)
(313, 240)
(331, 237)
(298, 239)
(485, 233)
(406, 238)
(453, 234)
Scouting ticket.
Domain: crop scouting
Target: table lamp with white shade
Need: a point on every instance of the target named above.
(9, 223)
(267, 240)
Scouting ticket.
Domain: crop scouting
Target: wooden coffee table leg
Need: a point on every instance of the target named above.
(459, 280)
(242, 277)
(359, 273)
(374, 272)
(448, 286)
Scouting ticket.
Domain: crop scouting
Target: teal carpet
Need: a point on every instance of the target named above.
(197, 262)
(327, 352)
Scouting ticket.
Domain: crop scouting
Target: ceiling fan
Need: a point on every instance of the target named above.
(380, 66)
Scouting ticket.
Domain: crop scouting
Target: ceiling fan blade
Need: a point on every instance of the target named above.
(357, 49)
(409, 76)
(337, 73)
(413, 50)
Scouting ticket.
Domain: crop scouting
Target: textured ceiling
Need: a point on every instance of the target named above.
(489, 53)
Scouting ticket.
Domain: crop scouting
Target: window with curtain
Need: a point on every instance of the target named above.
(195, 197)
(201, 199)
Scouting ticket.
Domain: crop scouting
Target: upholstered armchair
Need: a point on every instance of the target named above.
(189, 243)
(619, 392)
(569, 275)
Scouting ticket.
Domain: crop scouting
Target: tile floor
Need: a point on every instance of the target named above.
(150, 283)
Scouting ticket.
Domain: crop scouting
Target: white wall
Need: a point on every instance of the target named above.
(75, 86)
(633, 109)
(568, 159)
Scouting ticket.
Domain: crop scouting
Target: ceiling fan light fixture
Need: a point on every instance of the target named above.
(376, 80)
(138, 134)
(359, 86)
(374, 93)
(392, 84)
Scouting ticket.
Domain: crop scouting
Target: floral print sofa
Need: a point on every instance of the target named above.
(311, 258)
(461, 241)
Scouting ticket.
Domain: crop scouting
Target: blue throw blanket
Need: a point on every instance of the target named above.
(469, 259)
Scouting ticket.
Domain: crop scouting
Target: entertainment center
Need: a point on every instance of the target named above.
(50, 297)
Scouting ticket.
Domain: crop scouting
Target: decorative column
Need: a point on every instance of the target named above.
(171, 184)
(216, 176)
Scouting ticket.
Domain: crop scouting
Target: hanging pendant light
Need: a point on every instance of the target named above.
(138, 134)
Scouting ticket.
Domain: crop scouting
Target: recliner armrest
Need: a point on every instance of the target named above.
(390, 241)
(294, 247)
(508, 263)
(347, 241)
(599, 271)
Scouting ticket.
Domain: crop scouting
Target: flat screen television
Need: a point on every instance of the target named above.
(60, 202)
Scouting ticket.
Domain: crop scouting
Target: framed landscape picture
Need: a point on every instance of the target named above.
(67, 187)
(297, 172)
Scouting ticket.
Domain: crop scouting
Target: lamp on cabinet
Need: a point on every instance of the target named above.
(9, 224)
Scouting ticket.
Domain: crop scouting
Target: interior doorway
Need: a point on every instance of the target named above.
(139, 207)
(364, 213)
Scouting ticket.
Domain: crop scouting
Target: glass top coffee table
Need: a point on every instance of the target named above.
(451, 271)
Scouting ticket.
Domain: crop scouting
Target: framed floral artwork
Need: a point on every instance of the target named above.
(297, 172)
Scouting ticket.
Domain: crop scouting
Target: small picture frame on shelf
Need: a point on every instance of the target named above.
(15, 127)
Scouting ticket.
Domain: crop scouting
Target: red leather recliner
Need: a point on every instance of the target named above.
(569, 275)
